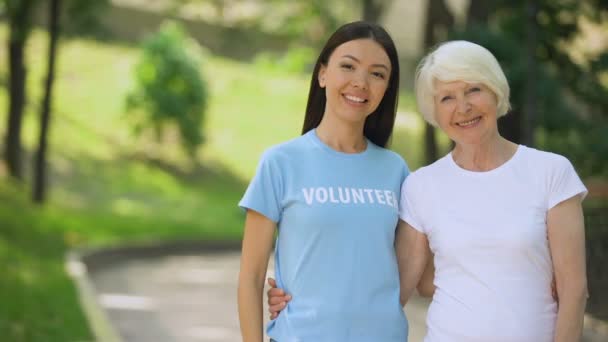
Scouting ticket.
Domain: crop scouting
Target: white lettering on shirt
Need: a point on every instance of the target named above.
(321, 195)
(344, 195)
(332, 198)
(339, 195)
(369, 194)
(358, 196)
(389, 197)
(379, 196)
(308, 195)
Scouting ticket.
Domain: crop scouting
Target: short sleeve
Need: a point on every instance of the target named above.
(407, 204)
(564, 183)
(265, 191)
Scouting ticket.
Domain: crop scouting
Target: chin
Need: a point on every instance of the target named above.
(354, 118)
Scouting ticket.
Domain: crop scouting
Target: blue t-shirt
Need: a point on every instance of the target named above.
(336, 215)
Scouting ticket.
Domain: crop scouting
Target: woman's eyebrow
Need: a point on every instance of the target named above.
(380, 65)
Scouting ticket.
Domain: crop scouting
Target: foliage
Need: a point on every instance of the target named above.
(103, 194)
(295, 60)
(572, 100)
(84, 17)
(170, 88)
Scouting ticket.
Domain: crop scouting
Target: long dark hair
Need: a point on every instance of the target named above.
(379, 124)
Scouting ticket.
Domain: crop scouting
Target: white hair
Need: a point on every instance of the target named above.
(459, 60)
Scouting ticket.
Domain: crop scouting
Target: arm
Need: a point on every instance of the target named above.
(413, 255)
(426, 287)
(257, 245)
(567, 243)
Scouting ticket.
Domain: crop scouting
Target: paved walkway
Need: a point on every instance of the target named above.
(189, 298)
(185, 299)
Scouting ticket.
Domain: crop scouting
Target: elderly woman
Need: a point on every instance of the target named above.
(501, 219)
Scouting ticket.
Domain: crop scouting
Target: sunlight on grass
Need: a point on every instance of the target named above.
(106, 187)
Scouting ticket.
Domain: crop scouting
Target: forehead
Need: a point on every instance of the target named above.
(446, 86)
(365, 50)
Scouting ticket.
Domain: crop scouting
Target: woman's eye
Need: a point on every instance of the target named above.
(347, 66)
(379, 75)
(445, 98)
(474, 89)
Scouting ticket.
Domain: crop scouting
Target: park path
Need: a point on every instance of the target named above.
(187, 295)
(185, 298)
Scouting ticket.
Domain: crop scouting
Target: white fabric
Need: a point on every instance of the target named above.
(488, 232)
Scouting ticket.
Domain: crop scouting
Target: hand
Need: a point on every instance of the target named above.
(277, 299)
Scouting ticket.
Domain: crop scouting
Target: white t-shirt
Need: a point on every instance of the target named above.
(488, 232)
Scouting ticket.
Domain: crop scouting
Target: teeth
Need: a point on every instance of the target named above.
(354, 98)
(466, 123)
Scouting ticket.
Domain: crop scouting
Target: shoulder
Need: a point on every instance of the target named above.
(389, 157)
(286, 150)
(431, 171)
(543, 160)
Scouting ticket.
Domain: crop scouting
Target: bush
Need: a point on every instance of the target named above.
(169, 88)
(294, 60)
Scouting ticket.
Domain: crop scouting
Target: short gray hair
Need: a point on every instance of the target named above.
(459, 60)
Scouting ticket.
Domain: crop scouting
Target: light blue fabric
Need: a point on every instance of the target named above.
(336, 215)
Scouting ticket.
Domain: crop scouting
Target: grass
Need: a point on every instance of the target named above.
(110, 188)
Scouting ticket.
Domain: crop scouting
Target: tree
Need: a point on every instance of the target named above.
(547, 83)
(19, 21)
(529, 109)
(373, 9)
(439, 21)
(478, 12)
(39, 188)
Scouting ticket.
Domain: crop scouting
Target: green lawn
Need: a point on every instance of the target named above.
(109, 188)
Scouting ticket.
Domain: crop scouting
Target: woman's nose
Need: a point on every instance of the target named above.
(360, 80)
(463, 105)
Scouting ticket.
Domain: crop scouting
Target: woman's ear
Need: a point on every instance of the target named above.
(321, 77)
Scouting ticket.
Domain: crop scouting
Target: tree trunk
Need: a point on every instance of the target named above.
(19, 26)
(478, 12)
(430, 145)
(39, 188)
(530, 96)
(373, 9)
(439, 21)
(510, 126)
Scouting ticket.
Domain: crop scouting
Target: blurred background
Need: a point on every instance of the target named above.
(127, 121)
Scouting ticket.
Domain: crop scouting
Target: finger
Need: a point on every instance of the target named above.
(273, 316)
(272, 282)
(275, 309)
(274, 292)
(276, 300)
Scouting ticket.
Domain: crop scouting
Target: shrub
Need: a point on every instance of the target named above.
(169, 88)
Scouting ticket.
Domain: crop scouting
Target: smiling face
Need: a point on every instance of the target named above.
(466, 112)
(355, 79)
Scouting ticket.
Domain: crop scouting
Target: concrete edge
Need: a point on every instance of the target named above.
(96, 258)
(80, 262)
(97, 317)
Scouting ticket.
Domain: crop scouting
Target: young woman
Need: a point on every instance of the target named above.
(333, 195)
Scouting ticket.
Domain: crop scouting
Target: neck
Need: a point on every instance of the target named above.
(485, 156)
(342, 137)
